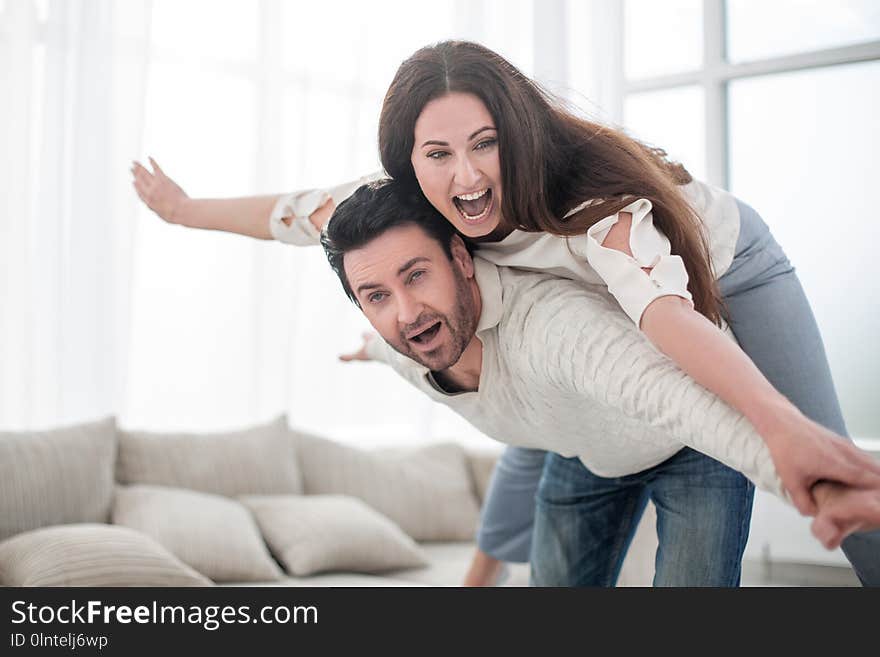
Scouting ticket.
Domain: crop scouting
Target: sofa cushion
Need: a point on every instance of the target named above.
(215, 535)
(426, 491)
(312, 534)
(57, 476)
(260, 460)
(91, 555)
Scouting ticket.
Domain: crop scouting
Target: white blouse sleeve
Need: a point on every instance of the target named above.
(298, 206)
(634, 288)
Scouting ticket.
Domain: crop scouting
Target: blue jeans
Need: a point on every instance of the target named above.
(772, 320)
(584, 523)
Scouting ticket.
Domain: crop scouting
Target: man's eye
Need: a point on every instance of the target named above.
(376, 297)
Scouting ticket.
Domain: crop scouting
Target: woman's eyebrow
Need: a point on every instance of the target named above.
(437, 142)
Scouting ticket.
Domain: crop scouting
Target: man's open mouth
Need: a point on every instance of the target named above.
(425, 336)
(474, 207)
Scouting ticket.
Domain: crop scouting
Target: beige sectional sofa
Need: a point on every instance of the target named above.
(94, 505)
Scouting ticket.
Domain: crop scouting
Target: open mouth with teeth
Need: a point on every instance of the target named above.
(474, 207)
(426, 336)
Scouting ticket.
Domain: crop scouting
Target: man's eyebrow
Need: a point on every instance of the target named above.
(435, 142)
(366, 286)
(409, 264)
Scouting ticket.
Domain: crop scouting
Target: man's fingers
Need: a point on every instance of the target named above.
(803, 501)
(827, 532)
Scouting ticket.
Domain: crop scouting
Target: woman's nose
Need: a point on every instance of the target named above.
(466, 175)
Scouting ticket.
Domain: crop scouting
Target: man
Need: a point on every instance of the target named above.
(555, 367)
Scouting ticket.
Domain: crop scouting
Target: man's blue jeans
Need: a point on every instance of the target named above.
(584, 523)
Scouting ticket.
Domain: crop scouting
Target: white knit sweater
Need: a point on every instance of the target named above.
(564, 370)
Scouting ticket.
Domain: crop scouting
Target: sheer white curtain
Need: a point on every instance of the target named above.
(71, 79)
(107, 309)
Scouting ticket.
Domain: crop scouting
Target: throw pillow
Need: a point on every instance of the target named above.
(214, 535)
(91, 555)
(312, 534)
(260, 460)
(57, 476)
(426, 491)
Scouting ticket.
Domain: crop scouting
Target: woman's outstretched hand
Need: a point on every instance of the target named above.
(161, 194)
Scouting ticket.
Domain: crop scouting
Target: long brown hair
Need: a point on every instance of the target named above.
(551, 159)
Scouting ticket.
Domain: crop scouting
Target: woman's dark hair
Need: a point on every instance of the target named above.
(373, 209)
(551, 159)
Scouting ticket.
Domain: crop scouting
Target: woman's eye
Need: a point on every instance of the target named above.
(486, 143)
(437, 155)
(416, 275)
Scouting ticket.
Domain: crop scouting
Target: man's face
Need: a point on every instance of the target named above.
(424, 305)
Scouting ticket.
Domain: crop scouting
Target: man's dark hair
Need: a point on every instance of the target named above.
(371, 211)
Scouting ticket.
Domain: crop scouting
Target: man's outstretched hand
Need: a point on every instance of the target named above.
(360, 354)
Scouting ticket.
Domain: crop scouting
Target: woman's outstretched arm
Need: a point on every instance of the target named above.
(245, 215)
(803, 451)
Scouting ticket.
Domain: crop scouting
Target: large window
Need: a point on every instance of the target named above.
(776, 101)
(785, 119)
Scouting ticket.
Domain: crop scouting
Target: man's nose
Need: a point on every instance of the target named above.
(408, 309)
(466, 174)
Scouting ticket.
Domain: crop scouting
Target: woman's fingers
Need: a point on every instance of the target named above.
(142, 178)
(139, 170)
(856, 467)
(141, 194)
(156, 168)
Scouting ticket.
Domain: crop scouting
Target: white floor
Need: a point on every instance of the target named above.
(772, 573)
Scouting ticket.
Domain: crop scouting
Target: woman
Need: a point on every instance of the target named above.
(509, 167)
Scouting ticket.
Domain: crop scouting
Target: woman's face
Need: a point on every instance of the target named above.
(455, 157)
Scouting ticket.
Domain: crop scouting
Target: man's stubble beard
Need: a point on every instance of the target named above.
(461, 326)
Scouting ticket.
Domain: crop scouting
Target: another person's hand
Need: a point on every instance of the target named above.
(844, 510)
(360, 354)
(484, 570)
(804, 453)
(161, 194)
